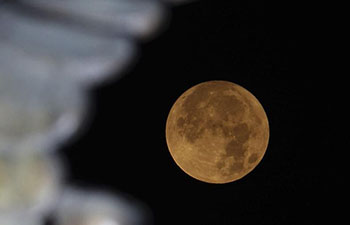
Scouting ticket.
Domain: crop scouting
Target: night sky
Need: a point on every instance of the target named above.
(251, 43)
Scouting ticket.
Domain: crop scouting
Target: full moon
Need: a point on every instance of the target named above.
(217, 132)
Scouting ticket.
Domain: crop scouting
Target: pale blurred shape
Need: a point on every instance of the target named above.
(37, 114)
(20, 220)
(37, 46)
(104, 221)
(134, 18)
(29, 185)
(98, 208)
(179, 1)
(46, 56)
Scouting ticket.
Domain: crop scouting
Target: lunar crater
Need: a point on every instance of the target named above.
(241, 132)
(253, 158)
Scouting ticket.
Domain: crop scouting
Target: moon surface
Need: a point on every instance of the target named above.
(217, 132)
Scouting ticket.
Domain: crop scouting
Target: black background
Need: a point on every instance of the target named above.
(252, 43)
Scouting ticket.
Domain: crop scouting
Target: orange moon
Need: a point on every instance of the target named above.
(217, 132)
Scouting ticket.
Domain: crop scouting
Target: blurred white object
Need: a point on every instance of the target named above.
(49, 50)
(78, 207)
(29, 185)
(177, 2)
(37, 114)
(134, 18)
(31, 45)
(21, 219)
